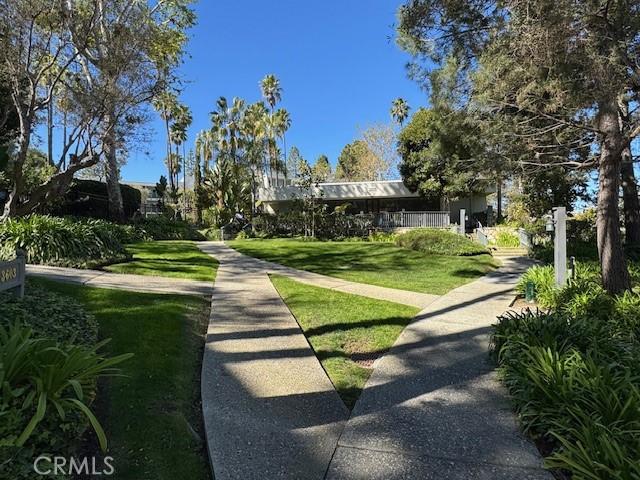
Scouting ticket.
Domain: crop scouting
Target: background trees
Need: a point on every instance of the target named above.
(553, 78)
(439, 151)
(322, 169)
(104, 61)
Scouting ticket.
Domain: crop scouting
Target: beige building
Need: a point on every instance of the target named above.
(390, 200)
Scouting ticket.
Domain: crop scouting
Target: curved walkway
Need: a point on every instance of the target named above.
(121, 281)
(405, 297)
(432, 409)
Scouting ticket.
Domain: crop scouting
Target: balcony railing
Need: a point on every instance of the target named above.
(413, 219)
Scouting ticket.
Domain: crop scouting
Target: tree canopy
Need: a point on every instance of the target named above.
(554, 80)
(438, 150)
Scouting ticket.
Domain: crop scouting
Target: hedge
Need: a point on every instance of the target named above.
(439, 242)
(89, 198)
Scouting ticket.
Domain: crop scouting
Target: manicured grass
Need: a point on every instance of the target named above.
(346, 331)
(380, 264)
(173, 258)
(151, 415)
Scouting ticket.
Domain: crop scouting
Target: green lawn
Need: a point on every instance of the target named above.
(173, 258)
(152, 414)
(346, 331)
(381, 264)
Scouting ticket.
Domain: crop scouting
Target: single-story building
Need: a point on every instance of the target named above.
(390, 200)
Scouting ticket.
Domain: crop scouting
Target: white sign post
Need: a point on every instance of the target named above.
(463, 224)
(560, 245)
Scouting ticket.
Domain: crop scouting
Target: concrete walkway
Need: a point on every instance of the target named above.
(433, 408)
(405, 297)
(270, 411)
(136, 283)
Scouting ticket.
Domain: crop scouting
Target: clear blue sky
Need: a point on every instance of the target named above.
(336, 60)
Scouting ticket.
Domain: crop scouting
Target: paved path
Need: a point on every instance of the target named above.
(137, 283)
(433, 408)
(270, 411)
(405, 297)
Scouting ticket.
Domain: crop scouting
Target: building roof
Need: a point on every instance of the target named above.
(340, 191)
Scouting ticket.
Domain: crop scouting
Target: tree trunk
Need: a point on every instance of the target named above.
(499, 200)
(630, 199)
(116, 209)
(615, 275)
(24, 140)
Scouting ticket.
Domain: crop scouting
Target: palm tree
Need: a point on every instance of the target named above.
(271, 90)
(272, 93)
(166, 105)
(178, 132)
(400, 110)
(282, 124)
(254, 131)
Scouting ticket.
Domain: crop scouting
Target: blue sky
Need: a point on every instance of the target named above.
(337, 63)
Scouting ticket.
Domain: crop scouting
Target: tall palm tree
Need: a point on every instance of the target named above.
(283, 123)
(400, 110)
(272, 93)
(227, 121)
(166, 105)
(254, 131)
(271, 90)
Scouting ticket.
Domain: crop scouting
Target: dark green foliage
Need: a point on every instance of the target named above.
(63, 241)
(333, 226)
(573, 372)
(49, 364)
(544, 189)
(576, 386)
(89, 198)
(50, 315)
(84, 243)
(161, 227)
(437, 147)
(439, 242)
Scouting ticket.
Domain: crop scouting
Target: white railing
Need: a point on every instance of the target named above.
(525, 238)
(482, 237)
(413, 219)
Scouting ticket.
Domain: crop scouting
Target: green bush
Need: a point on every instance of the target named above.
(63, 241)
(384, 237)
(50, 315)
(89, 198)
(164, 228)
(439, 242)
(334, 226)
(506, 238)
(47, 390)
(576, 386)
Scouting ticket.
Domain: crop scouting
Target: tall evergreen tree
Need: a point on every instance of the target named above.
(542, 66)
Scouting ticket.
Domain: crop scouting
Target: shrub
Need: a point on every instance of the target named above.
(211, 233)
(47, 389)
(576, 386)
(89, 198)
(439, 242)
(384, 237)
(164, 228)
(50, 315)
(334, 226)
(543, 280)
(506, 238)
(63, 241)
